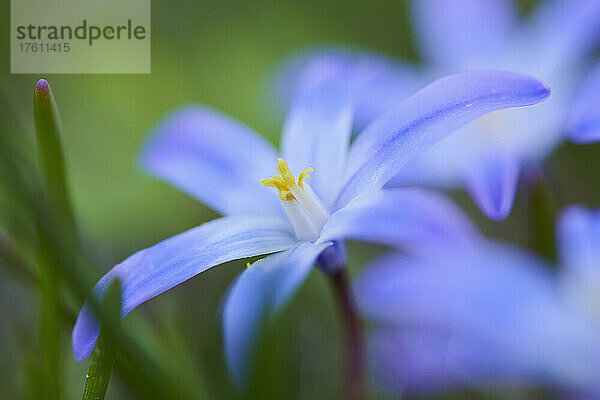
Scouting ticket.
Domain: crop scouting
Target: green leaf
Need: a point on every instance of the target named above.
(103, 358)
(48, 133)
(47, 130)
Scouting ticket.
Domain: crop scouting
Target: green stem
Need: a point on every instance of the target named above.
(103, 359)
(99, 372)
(354, 347)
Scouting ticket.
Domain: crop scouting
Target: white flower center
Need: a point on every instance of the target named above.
(302, 207)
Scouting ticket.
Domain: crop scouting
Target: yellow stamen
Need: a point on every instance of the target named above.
(279, 179)
(286, 195)
(304, 175)
(286, 180)
(273, 182)
(286, 174)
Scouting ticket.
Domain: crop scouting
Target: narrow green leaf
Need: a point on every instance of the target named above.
(51, 318)
(103, 358)
(48, 133)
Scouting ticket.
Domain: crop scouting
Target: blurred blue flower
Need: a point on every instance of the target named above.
(486, 156)
(583, 124)
(489, 314)
(221, 162)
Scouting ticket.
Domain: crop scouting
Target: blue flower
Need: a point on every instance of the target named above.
(489, 314)
(486, 156)
(583, 124)
(325, 192)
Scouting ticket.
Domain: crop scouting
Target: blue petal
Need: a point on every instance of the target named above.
(564, 30)
(152, 271)
(396, 288)
(412, 219)
(215, 159)
(484, 155)
(506, 317)
(584, 121)
(318, 126)
(428, 116)
(431, 360)
(385, 81)
(256, 296)
(579, 241)
(461, 33)
(492, 183)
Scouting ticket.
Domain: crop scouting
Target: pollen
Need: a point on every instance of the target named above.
(285, 181)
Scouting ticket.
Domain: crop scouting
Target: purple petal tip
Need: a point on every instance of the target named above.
(42, 86)
(497, 215)
(546, 89)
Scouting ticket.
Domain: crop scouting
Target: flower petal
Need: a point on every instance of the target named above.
(579, 244)
(564, 30)
(579, 241)
(412, 219)
(461, 33)
(492, 183)
(385, 81)
(584, 121)
(152, 271)
(500, 141)
(503, 303)
(256, 295)
(318, 126)
(430, 360)
(428, 116)
(396, 288)
(215, 159)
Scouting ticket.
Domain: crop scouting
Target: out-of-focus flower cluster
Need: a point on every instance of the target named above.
(487, 156)
(484, 313)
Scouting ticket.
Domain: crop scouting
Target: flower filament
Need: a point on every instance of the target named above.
(302, 207)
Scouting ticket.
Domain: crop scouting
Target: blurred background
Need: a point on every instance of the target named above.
(219, 53)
